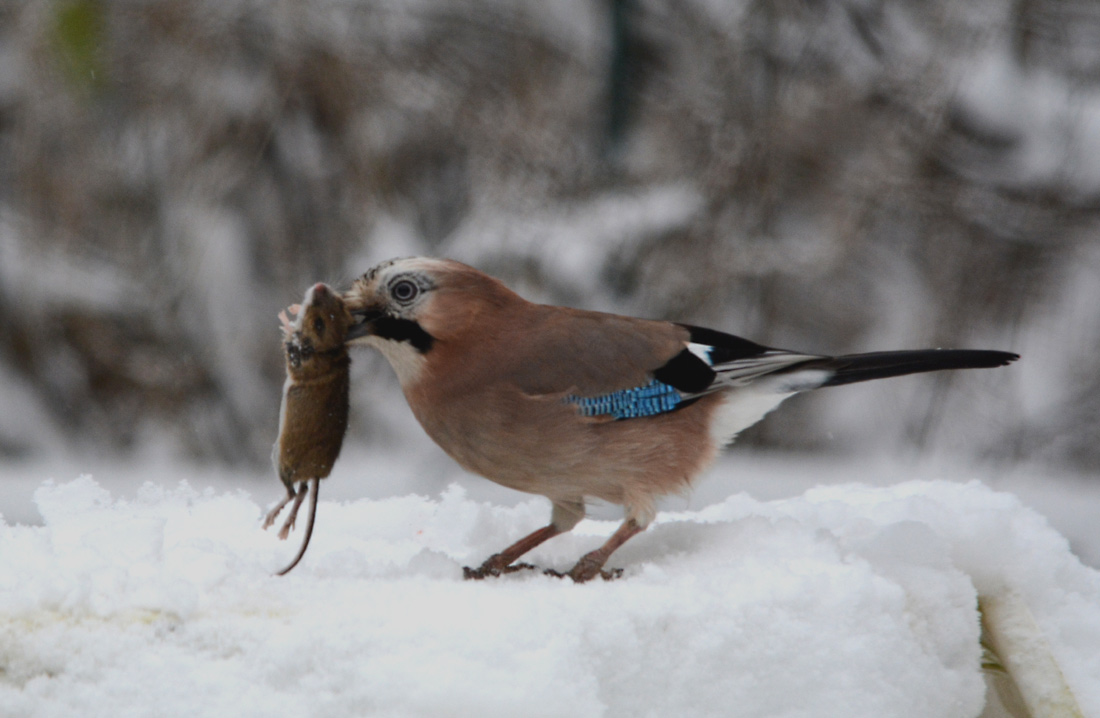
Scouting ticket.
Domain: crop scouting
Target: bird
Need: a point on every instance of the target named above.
(577, 405)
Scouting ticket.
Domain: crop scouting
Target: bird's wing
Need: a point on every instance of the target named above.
(737, 362)
(624, 368)
(714, 360)
(589, 353)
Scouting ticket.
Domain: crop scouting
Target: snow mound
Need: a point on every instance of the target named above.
(846, 601)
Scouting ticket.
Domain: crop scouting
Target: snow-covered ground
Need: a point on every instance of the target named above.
(853, 598)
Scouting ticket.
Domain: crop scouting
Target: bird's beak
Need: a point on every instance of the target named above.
(364, 323)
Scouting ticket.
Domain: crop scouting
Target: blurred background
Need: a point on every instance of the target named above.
(841, 176)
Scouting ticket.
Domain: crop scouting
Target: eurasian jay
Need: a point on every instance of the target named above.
(575, 404)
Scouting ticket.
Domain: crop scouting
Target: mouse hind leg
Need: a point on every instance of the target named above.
(274, 513)
(299, 497)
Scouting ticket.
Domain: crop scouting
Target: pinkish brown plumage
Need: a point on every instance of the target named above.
(314, 413)
(573, 404)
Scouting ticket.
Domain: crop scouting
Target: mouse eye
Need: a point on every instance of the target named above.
(404, 291)
(319, 325)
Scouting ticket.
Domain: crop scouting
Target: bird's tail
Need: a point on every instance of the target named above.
(880, 365)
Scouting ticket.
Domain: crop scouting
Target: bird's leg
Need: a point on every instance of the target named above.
(298, 499)
(274, 513)
(592, 562)
(501, 562)
(564, 517)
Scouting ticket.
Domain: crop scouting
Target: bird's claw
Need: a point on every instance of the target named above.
(487, 570)
(580, 576)
(491, 569)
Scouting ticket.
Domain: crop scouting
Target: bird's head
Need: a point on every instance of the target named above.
(417, 302)
(389, 301)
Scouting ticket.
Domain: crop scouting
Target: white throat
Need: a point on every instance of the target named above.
(405, 359)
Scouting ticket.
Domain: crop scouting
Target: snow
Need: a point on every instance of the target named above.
(847, 600)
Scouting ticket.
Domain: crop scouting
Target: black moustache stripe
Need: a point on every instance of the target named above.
(403, 330)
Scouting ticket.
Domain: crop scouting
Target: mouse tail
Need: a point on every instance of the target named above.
(314, 489)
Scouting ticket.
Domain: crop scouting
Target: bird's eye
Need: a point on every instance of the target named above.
(404, 291)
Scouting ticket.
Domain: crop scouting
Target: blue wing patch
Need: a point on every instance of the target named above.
(654, 398)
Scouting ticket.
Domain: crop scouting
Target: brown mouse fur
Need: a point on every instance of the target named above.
(314, 412)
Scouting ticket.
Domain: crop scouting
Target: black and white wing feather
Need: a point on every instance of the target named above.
(714, 361)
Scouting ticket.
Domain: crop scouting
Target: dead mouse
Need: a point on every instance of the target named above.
(314, 412)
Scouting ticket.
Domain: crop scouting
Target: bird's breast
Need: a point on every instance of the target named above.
(544, 444)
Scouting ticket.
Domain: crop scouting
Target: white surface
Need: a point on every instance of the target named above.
(847, 600)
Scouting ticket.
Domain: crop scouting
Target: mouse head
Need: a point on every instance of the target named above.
(319, 329)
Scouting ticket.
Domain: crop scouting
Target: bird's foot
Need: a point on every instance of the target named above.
(493, 568)
(590, 566)
(580, 577)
